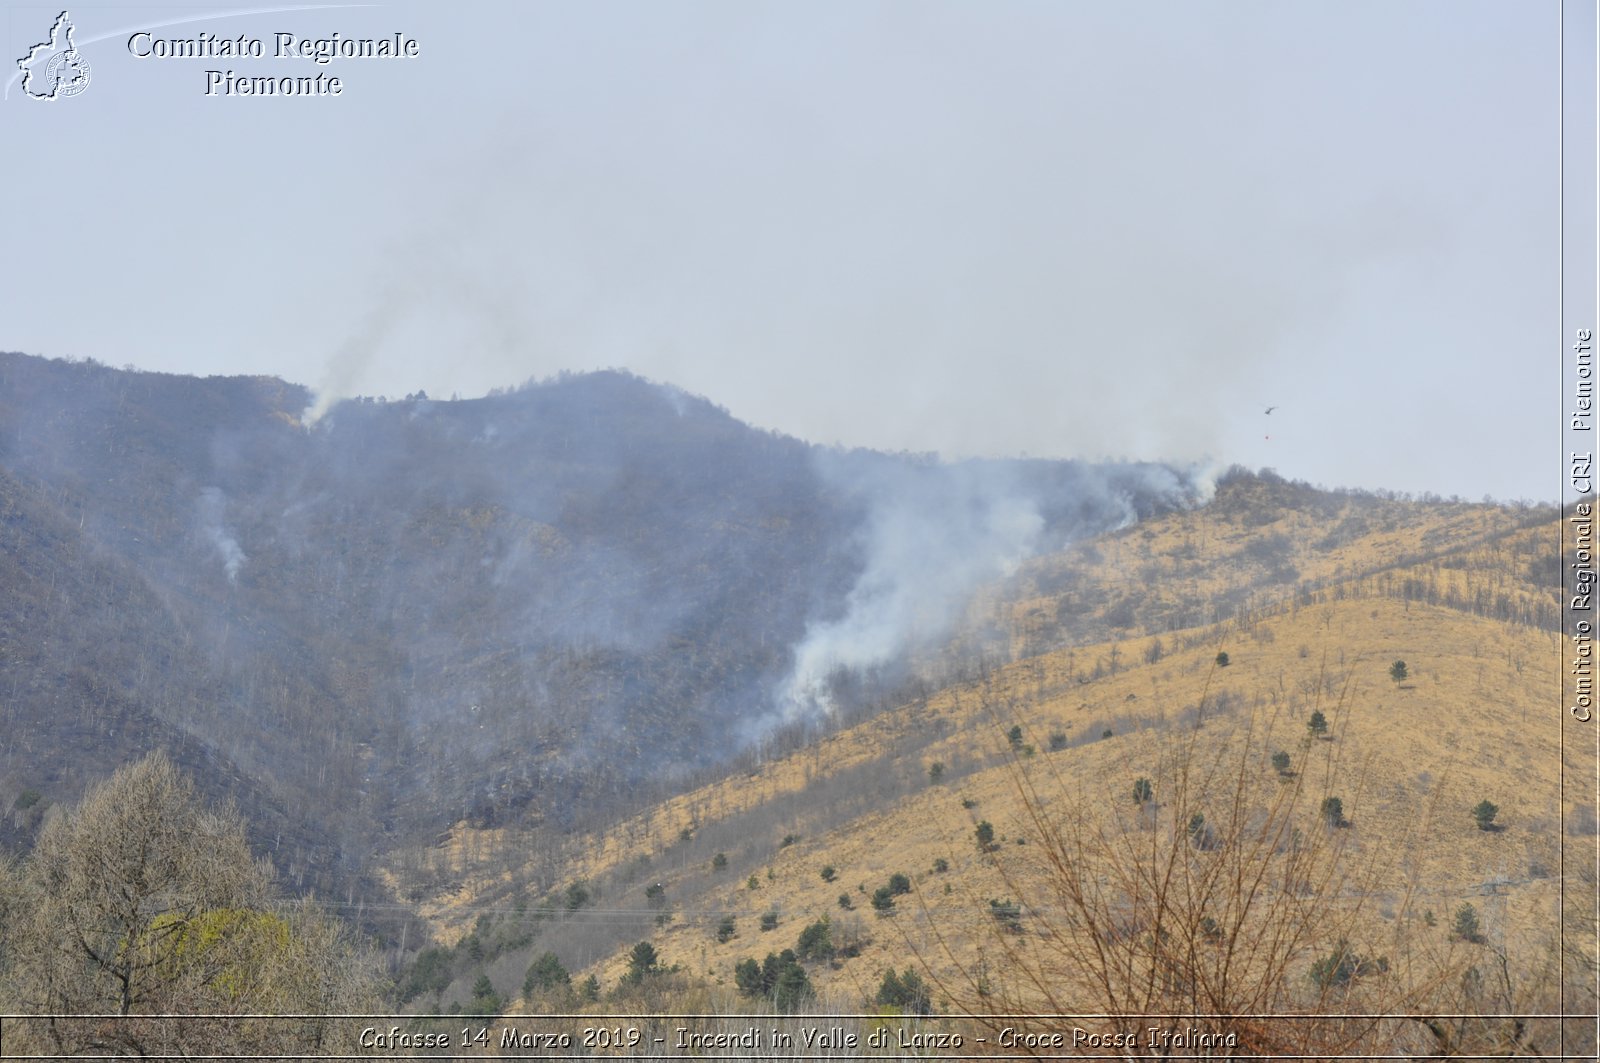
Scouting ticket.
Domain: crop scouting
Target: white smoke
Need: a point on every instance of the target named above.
(1202, 477)
(932, 538)
(211, 507)
(348, 364)
(678, 398)
(935, 534)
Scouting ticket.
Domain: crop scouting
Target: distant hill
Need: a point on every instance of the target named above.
(523, 609)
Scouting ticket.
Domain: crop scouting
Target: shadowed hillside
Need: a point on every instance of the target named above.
(515, 609)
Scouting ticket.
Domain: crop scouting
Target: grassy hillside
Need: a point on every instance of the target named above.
(1312, 597)
(1263, 542)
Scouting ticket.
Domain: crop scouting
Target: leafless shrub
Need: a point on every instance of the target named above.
(1263, 939)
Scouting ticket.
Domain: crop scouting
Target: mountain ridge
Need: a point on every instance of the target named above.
(416, 611)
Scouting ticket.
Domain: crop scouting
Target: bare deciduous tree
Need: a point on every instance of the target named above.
(142, 905)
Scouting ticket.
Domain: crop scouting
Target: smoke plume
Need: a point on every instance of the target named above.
(211, 506)
(936, 533)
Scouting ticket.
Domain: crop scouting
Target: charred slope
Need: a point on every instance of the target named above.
(415, 611)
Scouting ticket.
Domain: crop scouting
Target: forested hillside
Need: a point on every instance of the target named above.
(519, 608)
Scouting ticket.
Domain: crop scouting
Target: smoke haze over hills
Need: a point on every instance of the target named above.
(414, 611)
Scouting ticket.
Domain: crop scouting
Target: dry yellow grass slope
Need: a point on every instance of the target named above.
(1315, 618)
(1262, 542)
(1409, 762)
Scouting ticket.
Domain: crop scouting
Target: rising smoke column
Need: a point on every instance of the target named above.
(210, 509)
(935, 533)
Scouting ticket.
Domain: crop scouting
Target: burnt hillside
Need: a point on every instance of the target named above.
(521, 607)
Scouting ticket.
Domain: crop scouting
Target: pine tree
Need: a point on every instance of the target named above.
(815, 942)
(1333, 811)
(1142, 790)
(906, 991)
(485, 1001)
(544, 974)
(642, 962)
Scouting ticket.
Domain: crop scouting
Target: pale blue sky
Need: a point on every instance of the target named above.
(1066, 229)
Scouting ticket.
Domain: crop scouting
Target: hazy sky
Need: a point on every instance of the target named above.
(1060, 228)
